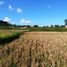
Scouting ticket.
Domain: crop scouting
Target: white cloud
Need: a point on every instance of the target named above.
(7, 19)
(49, 6)
(25, 21)
(1, 2)
(10, 7)
(19, 10)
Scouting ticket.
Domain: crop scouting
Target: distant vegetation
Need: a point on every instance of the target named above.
(57, 28)
(7, 25)
(4, 25)
(47, 28)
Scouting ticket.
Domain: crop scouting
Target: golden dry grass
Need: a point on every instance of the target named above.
(36, 49)
(48, 49)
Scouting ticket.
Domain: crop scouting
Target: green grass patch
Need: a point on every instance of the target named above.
(6, 38)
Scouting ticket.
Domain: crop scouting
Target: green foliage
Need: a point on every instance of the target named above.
(56, 29)
(35, 25)
(57, 26)
(6, 25)
(65, 21)
(9, 38)
(51, 26)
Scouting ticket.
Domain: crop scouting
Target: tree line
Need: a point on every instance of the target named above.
(7, 25)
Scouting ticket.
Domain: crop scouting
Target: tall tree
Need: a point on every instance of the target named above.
(65, 22)
(35, 25)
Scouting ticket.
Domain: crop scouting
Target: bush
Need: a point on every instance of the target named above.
(57, 29)
(9, 38)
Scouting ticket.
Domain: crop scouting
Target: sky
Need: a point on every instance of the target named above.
(32, 12)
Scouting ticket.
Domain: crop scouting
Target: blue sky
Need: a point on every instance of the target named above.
(31, 12)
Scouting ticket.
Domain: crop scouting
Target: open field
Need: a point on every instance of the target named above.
(36, 49)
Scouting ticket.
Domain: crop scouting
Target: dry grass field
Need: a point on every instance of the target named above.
(36, 49)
